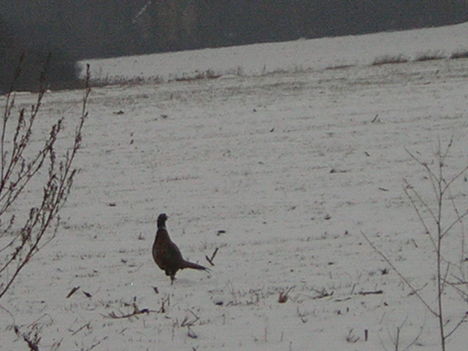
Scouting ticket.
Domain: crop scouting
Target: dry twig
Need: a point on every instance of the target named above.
(210, 259)
(136, 311)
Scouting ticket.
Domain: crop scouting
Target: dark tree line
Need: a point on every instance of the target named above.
(186, 24)
(76, 29)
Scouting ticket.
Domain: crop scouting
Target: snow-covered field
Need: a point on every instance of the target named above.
(292, 56)
(281, 172)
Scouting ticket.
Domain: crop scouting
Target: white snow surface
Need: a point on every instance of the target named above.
(281, 172)
(299, 55)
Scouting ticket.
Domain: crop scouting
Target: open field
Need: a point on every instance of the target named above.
(291, 56)
(281, 173)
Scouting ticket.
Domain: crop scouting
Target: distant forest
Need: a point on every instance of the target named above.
(77, 29)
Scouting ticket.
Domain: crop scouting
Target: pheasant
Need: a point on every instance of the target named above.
(167, 255)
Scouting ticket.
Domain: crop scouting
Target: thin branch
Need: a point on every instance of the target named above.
(418, 213)
(460, 322)
(189, 323)
(432, 176)
(444, 278)
(213, 255)
(416, 338)
(454, 178)
(402, 277)
(370, 292)
(462, 232)
(419, 198)
(136, 311)
(452, 224)
(463, 294)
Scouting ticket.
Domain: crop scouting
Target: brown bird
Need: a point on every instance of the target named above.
(166, 254)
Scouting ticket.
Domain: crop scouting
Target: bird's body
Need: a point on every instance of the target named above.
(166, 254)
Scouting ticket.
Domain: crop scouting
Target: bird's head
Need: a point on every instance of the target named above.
(162, 218)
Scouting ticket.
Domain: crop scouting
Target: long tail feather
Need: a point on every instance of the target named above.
(187, 264)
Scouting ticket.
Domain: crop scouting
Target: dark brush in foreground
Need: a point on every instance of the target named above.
(167, 255)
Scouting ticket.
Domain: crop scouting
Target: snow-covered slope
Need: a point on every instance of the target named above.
(290, 56)
(280, 172)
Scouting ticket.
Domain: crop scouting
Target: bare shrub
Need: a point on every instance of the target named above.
(389, 59)
(395, 338)
(23, 162)
(123, 81)
(459, 54)
(209, 74)
(134, 312)
(339, 67)
(438, 216)
(429, 56)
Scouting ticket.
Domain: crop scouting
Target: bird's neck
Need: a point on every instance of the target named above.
(162, 233)
(161, 223)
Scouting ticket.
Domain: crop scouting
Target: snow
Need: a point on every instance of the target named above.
(292, 161)
(299, 55)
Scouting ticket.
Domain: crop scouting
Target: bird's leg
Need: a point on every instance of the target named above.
(172, 278)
